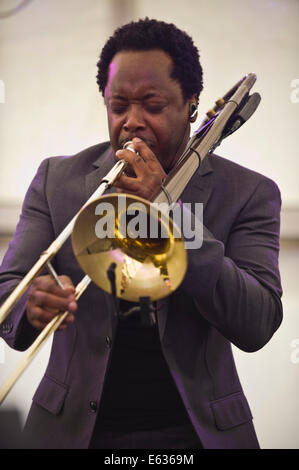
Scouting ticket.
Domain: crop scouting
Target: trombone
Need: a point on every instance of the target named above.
(228, 114)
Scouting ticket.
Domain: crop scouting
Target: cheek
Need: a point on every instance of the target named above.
(114, 126)
(172, 130)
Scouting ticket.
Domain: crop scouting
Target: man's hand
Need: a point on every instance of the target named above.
(148, 170)
(46, 300)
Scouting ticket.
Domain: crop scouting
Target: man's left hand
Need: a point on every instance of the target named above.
(148, 170)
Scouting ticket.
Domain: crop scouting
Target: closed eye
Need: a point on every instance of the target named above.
(118, 109)
(154, 109)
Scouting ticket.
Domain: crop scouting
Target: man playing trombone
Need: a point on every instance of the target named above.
(111, 381)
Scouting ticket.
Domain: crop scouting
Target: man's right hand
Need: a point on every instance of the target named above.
(46, 300)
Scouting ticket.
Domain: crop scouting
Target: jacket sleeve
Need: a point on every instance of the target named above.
(236, 286)
(34, 233)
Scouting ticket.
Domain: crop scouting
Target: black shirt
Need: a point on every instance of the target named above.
(139, 391)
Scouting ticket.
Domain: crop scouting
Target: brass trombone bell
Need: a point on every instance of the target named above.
(142, 241)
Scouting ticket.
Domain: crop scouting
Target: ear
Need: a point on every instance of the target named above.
(193, 108)
(192, 112)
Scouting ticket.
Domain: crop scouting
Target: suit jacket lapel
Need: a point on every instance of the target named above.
(199, 188)
(102, 165)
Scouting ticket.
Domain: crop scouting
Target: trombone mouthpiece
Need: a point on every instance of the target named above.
(129, 146)
(129, 170)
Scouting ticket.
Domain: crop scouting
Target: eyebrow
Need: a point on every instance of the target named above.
(147, 96)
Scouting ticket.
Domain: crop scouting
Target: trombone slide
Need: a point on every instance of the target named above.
(39, 342)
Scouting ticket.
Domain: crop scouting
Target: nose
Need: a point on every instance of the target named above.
(134, 119)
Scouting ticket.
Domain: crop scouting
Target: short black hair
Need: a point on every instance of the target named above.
(151, 34)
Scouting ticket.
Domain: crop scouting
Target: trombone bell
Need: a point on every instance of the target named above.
(142, 241)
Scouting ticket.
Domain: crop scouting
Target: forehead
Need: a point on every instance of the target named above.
(134, 72)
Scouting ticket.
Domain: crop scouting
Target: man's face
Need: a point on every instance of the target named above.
(143, 101)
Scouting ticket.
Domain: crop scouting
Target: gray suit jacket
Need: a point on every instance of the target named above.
(230, 294)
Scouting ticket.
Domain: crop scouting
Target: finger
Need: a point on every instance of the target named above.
(127, 191)
(39, 325)
(127, 184)
(67, 321)
(135, 161)
(48, 284)
(148, 156)
(66, 282)
(40, 317)
(48, 300)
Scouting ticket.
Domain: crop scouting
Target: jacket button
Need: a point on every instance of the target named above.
(6, 328)
(93, 406)
(108, 341)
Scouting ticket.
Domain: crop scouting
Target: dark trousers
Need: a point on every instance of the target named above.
(178, 437)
